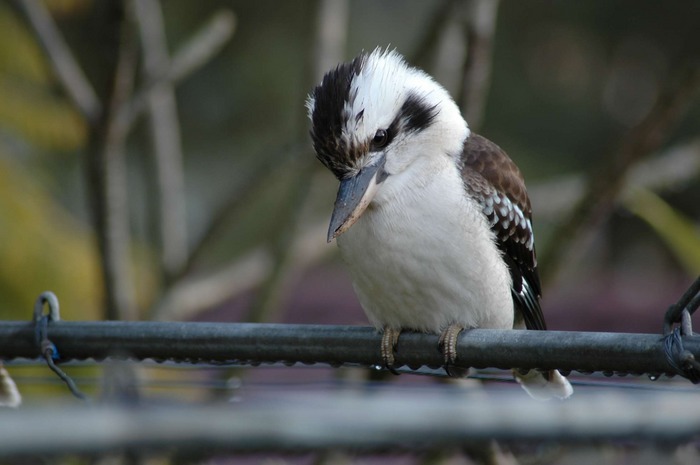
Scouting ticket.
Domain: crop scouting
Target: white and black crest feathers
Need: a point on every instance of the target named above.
(375, 91)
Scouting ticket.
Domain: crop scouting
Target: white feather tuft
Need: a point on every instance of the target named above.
(310, 104)
(9, 394)
(540, 388)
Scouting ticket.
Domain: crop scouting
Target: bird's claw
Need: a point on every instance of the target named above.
(448, 347)
(390, 338)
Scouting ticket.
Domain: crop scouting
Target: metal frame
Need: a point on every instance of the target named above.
(387, 420)
(248, 343)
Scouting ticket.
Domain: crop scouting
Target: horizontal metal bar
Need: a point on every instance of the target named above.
(386, 419)
(336, 345)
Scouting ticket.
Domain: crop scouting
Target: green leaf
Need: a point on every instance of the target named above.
(678, 232)
(43, 247)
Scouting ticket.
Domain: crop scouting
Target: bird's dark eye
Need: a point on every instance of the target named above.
(381, 138)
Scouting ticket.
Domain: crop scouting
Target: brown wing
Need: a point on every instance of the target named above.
(495, 182)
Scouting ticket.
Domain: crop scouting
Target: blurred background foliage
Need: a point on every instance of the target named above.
(42, 244)
(568, 82)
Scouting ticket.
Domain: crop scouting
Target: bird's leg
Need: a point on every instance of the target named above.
(390, 338)
(448, 347)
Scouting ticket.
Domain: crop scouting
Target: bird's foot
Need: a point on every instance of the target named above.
(448, 347)
(390, 338)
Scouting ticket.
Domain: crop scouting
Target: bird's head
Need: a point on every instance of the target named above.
(372, 119)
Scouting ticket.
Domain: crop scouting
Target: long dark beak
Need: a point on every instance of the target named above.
(354, 195)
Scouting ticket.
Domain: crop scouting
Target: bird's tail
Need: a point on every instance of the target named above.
(544, 385)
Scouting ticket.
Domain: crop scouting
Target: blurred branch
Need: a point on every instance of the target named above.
(476, 77)
(106, 165)
(158, 95)
(676, 166)
(237, 199)
(431, 37)
(606, 183)
(461, 29)
(288, 265)
(190, 295)
(107, 177)
(165, 136)
(331, 24)
(203, 45)
(63, 64)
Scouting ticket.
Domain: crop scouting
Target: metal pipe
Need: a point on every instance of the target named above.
(250, 343)
(384, 421)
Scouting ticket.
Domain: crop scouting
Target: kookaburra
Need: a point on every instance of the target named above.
(433, 221)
